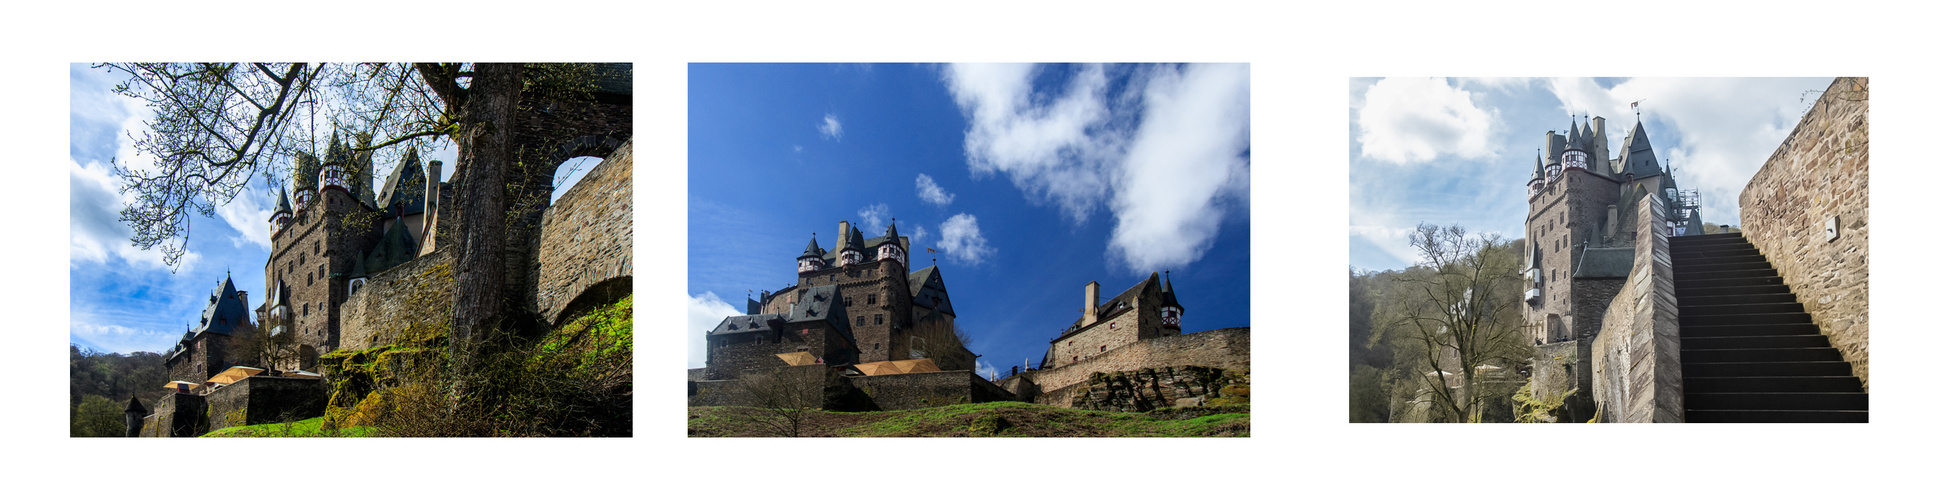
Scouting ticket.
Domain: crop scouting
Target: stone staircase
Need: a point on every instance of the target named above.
(1749, 351)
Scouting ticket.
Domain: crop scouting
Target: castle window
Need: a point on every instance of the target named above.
(312, 278)
(871, 299)
(878, 346)
(302, 258)
(1101, 348)
(317, 247)
(878, 319)
(859, 321)
(847, 301)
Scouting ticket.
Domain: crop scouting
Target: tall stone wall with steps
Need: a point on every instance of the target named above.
(1822, 171)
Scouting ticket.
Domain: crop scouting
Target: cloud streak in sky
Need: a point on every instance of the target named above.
(702, 314)
(962, 240)
(830, 127)
(929, 191)
(1167, 150)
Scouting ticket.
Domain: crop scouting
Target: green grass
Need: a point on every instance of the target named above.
(301, 428)
(999, 419)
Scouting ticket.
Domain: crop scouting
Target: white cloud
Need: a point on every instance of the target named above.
(96, 232)
(917, 237)
(1054, 148)
(930, 192)
(962, 240)
(703, 313)
(1416, 120)
(873, 218)
(1168, 154)
(1191, 147)
(829, 127)
(797, 148)
(249, 216)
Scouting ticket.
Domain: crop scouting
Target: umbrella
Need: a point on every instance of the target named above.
(233, 374)
(797, 358)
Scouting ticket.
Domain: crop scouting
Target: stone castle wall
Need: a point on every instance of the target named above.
(263, 400)
(586, 238)
(1637, 358)
(1229, 348)
(413, 295)
(1822, 171)
(908, 391)
(177, 415)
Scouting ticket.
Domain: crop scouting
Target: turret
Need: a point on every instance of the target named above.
(892, 248)
(1537, 182)
(1556, 143)
(810, 259)
(280, 218)
(335, 163)
(1574, 156)
(1170, 312)
(851, 244)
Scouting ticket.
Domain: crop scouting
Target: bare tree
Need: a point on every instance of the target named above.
(944, 343)
(1461, 310)
(259, 347)
(784, 398)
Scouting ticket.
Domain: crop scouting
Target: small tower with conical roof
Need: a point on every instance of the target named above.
(810, 259)
(1170, 312)
(305, 178)
(280, 218)
(849, 250)
(1574, 156)
(335, 164)
(891, 248)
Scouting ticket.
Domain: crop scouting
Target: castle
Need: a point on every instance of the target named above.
(352, 267)
(1636, 315)
(855, 303)
(857, 310)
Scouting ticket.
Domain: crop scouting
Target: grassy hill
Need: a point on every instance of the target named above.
(1001, 419)
(301, 428)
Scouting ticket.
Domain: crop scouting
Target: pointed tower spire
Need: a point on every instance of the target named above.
(1170, 312)
(810, 259)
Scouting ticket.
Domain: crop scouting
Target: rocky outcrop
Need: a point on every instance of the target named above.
(1151, 388)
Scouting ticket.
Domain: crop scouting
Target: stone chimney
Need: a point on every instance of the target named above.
(1090, 303)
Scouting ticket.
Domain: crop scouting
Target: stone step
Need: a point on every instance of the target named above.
(1755, 341)
(1776, 401)
(1689, 331)
(1703, 253)
(1760, 355)
(1717, 300)
(1683, 261)
(1746, 319)
(1777, 416)
(1698, 238)
(1688, 310)
(1708, 245)
(1682, 284)
(1771, 384)
(1687, 291)
(1765, 369)
(1723, 266)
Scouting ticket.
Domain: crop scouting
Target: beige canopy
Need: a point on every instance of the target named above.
(894, 367)
(797, 358)
(178, 384)
(233, 374)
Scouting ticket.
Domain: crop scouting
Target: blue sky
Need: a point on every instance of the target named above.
(1460, 150)
(1028, 181)
(123, 299)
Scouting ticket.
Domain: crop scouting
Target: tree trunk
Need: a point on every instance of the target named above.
(486, 122)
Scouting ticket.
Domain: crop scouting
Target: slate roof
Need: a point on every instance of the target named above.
(282, 204)
(1605, 262)
(404, 188)
(925, 289)
(1167, 296)
(816, 304)
(224, 312)
(135, 407)
(1638, 157)
(813, 249)
(1118, 304)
